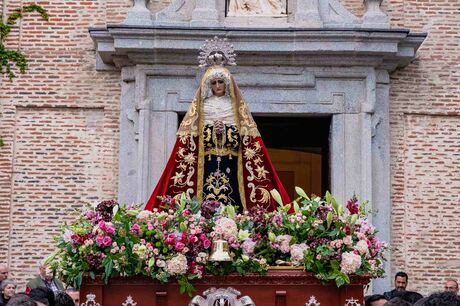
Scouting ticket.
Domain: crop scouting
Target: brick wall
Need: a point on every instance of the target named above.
(59, 123)
(60, 126)
(425, 147)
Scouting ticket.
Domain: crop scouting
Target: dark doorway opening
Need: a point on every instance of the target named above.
(299, 149)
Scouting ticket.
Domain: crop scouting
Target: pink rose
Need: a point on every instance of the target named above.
(135, 228)
(101, 225)
(110, 230)
(107, 241)
(179, 246)
(100, 240)
(206, 243)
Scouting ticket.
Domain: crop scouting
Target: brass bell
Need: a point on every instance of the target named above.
(219, 251)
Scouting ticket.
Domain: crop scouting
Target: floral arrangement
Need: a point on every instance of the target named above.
(320, 235)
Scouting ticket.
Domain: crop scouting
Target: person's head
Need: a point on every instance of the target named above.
(409, 296)
(8, 288)
(43, 295)
(63, 299)
(451, 285)
(216, 83)
(46, 272)
(401, 279)
(375, 300)
(397, 302)
(21, 299)
(3, 272)
(75, 295)
(442, 299)
(218, 87)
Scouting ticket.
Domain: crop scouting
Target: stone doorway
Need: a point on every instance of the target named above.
(299, 149)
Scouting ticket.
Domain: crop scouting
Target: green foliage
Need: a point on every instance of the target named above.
(328, 239)
(8, 56)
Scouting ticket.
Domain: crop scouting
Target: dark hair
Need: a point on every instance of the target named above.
(373, 298)
(402, 274)
(43, 295)
(397, 302)
(63, 299)
(21, 299)
(442, 299)
(409, 296)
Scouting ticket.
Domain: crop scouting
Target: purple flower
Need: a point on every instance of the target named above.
(352, 205)
(135, 228)
(105, 209)
(209, 208)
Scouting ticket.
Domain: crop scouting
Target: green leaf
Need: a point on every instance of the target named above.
(328, 197)
(335, 205)
(301, 192)
(115, 210)
(79, 279)
(183, 227)
(108, 267)
(51, 257)
(276, 196)
(353, 219)
(230, 211)
(151, 262)
(183, 201)
(329, 219)
(340, 210)
(296, 206)
(92, 275)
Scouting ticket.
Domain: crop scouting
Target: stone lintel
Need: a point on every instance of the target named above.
(386, 48)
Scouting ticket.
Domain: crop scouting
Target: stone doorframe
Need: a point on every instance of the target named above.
(342, 73)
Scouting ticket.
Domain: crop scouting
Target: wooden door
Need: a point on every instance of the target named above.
(298, 168)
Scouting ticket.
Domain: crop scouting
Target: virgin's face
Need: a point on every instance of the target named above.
(9, 290)
(218, 87)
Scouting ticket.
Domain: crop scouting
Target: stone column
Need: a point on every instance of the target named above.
(129, 128)
(139, 14)
(162, 137)
(351, 168)
(374, 17)
(381, 171)
(205, 14)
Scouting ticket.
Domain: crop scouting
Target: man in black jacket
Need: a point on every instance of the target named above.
(401, 280)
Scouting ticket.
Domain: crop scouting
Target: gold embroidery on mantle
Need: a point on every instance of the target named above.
(257, 173)
(186, 160)
(218, 188)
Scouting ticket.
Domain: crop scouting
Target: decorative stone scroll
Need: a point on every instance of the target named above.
(90, 300)
(221, 296)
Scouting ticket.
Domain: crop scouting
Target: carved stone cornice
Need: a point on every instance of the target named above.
(122, 45)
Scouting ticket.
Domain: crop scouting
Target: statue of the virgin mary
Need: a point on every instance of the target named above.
(219, 154)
